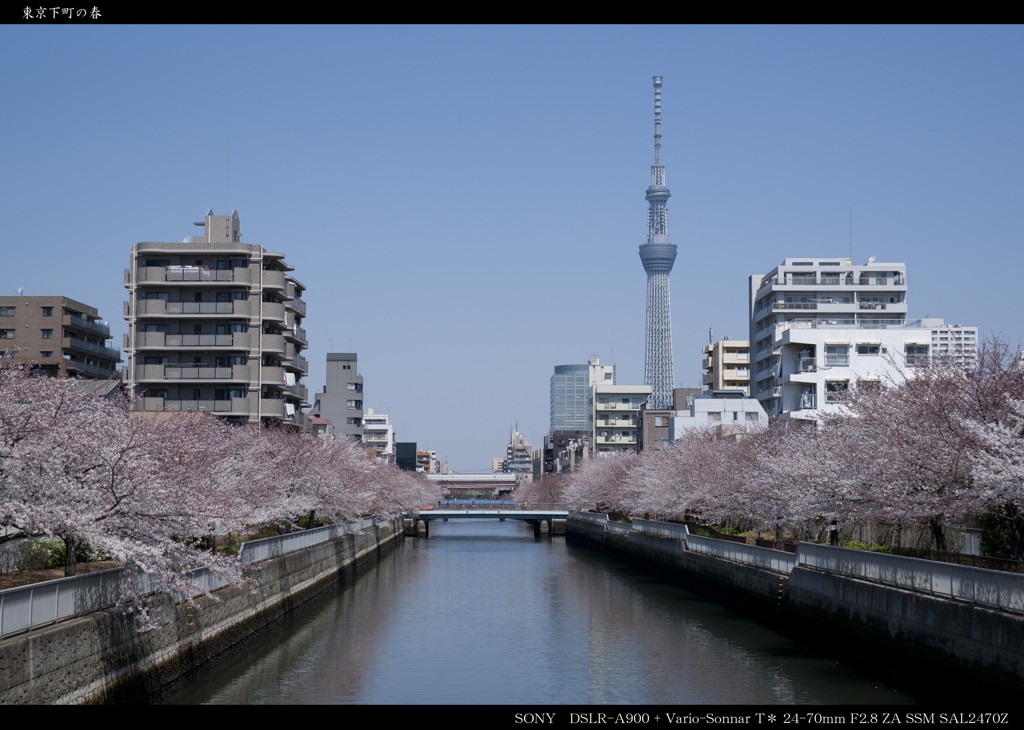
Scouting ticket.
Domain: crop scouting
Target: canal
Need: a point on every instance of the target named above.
(484, 613)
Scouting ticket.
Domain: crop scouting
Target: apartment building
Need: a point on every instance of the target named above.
(616, 416)
(214, 324)
(820, 326)
(341, 400)
(59, 336)
(726, 366)
(379, 435)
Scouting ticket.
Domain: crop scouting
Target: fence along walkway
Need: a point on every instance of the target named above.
(33, 606)
(980, 586)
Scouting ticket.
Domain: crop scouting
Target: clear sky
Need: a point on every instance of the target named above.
(464, 203)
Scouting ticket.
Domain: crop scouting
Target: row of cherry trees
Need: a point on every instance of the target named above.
(142, 490)
(936, 444)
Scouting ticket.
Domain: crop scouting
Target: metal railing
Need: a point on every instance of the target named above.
(981, 586)
(671, 530)
(777, 561)
(40, 604)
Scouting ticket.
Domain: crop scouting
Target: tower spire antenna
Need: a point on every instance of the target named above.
(658, 256)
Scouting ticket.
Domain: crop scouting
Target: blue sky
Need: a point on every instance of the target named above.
(464, 203)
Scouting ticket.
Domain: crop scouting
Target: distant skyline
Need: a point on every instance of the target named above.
(464, 203)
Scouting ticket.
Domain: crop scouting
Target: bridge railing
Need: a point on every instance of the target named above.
(39, 604)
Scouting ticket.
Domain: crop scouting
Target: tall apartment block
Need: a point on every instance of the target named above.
(214, 324)
(60, 336)
(726, 366)
(379, 435)
(341, 401)
(818, 326)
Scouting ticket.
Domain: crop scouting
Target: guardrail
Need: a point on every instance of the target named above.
(980, 586)
(40, 604)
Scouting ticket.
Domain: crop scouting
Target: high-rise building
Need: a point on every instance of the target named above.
(726, 366)
(61, 337)
(570, 393)
(341, 400)
(658, 256)
(518, 456)
(819, 326)
(214, 324)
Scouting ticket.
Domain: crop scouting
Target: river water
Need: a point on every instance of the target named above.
(484, 613)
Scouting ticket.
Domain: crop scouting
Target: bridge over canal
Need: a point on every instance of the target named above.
(545, 518)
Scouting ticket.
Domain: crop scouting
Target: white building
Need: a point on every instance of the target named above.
(571, 408)
(817, 326)
(379, 434)
(728, 411)
(617, 416)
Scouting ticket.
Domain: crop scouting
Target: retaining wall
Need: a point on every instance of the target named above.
(916, 636)
(102, 657)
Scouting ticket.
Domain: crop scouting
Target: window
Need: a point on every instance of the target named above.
(354, 403)
(750, 416)
(8, 311)
(659, 422)
(228, 296)
(869, 386)
(837, 355)
(865, 349)
(916, 354)
(714, 416)
(47, 311)
(46, 353)
(834, 390)
(162, 295)
(47, 334)
(7, 334)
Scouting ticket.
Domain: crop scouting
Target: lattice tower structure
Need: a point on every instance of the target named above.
(658, 256)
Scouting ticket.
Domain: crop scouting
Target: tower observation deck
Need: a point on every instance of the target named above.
(658, 256)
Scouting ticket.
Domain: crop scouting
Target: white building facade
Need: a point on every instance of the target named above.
(617, 416)
(820, 326)
(730, 413)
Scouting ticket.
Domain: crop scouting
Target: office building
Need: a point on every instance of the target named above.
(341, 400)
(571, 391)
(214, 324)
(59, 336)
(658, 256)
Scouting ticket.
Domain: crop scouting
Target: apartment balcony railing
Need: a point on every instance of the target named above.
(273, 279)
(794, 305)
(240, 373)
(808, 400)
(873, 305)
(108, 353)
(808, 365)
(298, 306)
(99, 328)
(94, 371)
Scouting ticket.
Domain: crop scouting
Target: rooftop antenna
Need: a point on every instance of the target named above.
(711, 338)
(851, 233)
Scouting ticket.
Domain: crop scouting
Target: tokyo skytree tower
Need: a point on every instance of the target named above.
(658, 255)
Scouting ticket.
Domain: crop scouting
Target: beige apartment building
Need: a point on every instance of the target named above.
(214, 324)
(726, 366)
(60, 336)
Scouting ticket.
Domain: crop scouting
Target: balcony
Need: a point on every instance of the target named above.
(107, 353)
(794, 305)
(297, 305)
(93, 371)
(872, 305)
(296, 334)
(808, 365)
(99, 328)
(807, 400)
(273, 279)
(178, 371)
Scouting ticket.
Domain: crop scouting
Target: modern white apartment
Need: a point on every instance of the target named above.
(730, 412)
(214, 324)
(819, 326)
(617, 416)
(726, 366)
(379, 435)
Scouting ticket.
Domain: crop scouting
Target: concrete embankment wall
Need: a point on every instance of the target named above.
(913, 636)
(103, 658)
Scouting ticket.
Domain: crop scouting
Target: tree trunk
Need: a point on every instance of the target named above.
(70, 551)
(940, 537)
